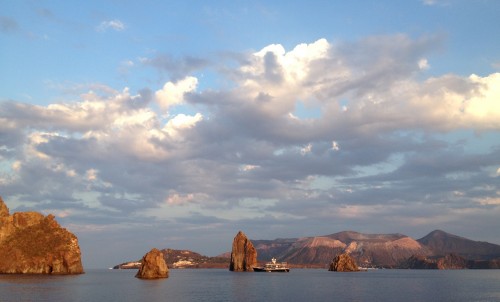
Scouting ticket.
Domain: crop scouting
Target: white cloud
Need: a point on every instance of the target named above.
(246, 168)
(181, 122)
(306, 149)
(175, 198)
(173, 93)
(111, 24)
(423, 64)
(91, 174)
(283, 76)
(452, 102)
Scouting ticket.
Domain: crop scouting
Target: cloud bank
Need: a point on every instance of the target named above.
(386, 148)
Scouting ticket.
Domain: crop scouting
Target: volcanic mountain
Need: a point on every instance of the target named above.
(386, 250)
(441, 243)
(373, 250)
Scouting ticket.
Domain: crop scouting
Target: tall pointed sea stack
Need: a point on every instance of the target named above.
(243, 254)
(31, 243)
(153, 266)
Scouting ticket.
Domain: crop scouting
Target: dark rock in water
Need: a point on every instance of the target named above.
(31, 243)
(343, 263)
(243, 254)
(153, 266)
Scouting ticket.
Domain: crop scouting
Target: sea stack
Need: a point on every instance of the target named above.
(31, 243)
(153, 266)
(343, 263)
(243, 254)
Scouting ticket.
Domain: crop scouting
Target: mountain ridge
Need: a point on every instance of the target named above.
(374, 250)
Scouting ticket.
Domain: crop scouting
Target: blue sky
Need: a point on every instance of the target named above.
(177, 123)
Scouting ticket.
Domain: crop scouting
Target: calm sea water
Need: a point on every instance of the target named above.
(222, 285)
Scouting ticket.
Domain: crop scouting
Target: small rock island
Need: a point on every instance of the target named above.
(153, 266)
(343, 263)
(31, 243)
(243, 254)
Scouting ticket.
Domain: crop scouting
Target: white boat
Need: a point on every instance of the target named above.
(273, 266)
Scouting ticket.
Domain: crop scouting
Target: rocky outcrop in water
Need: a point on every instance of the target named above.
(153, 266)
(31, 243)
(343, 263)
(243, 254)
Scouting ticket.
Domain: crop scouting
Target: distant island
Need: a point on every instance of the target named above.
(437, 250)
(178, 259)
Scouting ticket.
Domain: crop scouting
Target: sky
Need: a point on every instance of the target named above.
(175, 124)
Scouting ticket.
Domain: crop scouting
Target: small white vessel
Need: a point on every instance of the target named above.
(273, 266)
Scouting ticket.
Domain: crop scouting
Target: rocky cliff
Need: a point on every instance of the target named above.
(243, 254)
(31, 243)
(153, 266)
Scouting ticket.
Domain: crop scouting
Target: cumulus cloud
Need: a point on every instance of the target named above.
(173, 93)
(180, 122)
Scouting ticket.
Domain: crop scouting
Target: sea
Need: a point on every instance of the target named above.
(223, 285)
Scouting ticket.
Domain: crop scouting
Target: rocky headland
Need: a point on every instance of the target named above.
(31, 243)
(243, 254)
(153, 266)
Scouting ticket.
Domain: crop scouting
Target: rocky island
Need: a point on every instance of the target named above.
(31, 243)
(343, 263)
(153, 266)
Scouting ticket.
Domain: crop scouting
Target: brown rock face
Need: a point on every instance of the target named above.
(451, 261)
(153, 266)
(4, 211)
(243, 254)
(419, 262)
(343, 263)
(31, 243)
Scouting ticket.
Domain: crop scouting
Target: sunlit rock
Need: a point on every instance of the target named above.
(31, 243)
(243, 254)
(343, 263)
(153, 266)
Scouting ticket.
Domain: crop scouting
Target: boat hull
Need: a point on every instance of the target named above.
(271, 270)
